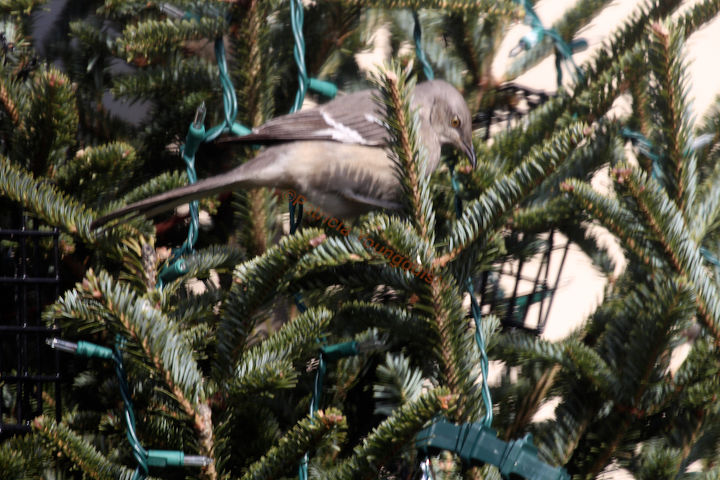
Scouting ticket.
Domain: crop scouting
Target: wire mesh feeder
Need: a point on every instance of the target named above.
(507, 104)
(29, 280)
(522, 288)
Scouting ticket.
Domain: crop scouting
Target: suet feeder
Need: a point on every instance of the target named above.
(29, 280)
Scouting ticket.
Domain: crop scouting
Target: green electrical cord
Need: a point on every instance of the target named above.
(329, 353)
(563, 50)
(419, 52)
(477, 316)
(140, 454)
(196, 136)
(475, 308)
(144, 458)
(297, 14)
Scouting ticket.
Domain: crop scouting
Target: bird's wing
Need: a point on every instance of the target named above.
(369, 201)
(353, 118)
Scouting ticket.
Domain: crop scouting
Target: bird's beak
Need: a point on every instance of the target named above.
(467, 148)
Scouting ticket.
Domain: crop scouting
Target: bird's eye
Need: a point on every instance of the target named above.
(455, 122)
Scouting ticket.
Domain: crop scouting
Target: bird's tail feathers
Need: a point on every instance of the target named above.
(171, 199)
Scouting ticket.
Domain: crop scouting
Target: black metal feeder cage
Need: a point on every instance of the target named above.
(521, 289)
(29, 369)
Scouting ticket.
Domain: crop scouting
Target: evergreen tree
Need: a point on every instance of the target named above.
(215, 353)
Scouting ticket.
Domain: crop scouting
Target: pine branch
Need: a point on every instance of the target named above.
(697, 15)
(256, 214)
(453, 343)
(703, 217)
(667, 223)
(196, 309)
(256, 76)
(97, 173)
(267, 375)
(573, 356)
(406, 327)
(292, 447)
(500, 7)
(627, 39)
(483, 216)
(400, 236)
(8, 104)
(116, 305)
(256, 282)
(22, 457)
(474, 42)
(671, 128)
(51, 109)
(82, 453)
(152, 38)
(216, 257)
(398, 383)
(334, 252)
(538, 218)
(45, 201)
(393, 435)
(162, 183)
(603, 78)
(294, 342)
(101, 301)
(616, 218)
(606, 72)
(603, 147)
(176, 74)
(639, 372)
(602, 74)
(410, 163)
(19, 7)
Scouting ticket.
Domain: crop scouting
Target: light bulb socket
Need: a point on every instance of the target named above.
(196, 461)
(62, 345)
(199, 120)
(173, 11)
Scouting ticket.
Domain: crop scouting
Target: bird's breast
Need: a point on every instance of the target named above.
(342, 180)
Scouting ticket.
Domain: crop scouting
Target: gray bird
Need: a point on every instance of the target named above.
(333, 154)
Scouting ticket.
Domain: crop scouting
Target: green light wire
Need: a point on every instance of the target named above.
(297, 14)
(328, 353)
(144, 458)
(475, 308)
(197, 135)
(140, 454)
(563, 50)
(477, 315)
(314, 406)
(419, 52)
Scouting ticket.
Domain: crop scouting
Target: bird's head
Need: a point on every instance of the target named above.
(449, 115)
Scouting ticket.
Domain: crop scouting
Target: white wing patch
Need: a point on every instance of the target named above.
(373, 119)
(340, 132)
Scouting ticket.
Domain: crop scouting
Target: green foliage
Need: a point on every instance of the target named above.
(397, 384)
(290, 449)
(93, 173)
(44, 200)
(81, 453)
(152, 38)
(216, 360)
